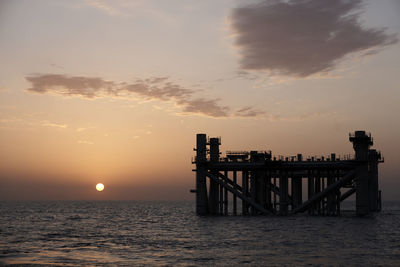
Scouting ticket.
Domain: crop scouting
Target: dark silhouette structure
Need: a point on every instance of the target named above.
(258, 183)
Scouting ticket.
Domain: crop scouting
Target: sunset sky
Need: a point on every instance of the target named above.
(115, 91)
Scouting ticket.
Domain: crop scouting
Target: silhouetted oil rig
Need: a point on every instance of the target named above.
(270, 185)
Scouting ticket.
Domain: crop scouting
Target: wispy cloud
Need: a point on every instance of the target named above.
(201, 105)
(55, 125)
(154, 88)
(80, 86)
(303, 37)
(30, 120)
(249, 112)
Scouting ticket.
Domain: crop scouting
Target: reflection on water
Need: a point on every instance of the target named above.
(168, 233)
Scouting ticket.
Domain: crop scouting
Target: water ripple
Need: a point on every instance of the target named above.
(168, 233)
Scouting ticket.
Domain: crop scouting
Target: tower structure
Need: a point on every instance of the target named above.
(273, 185)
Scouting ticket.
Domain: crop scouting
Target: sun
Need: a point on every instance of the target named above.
(99, 187)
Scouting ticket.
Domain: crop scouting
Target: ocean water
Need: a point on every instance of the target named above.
(131, 233)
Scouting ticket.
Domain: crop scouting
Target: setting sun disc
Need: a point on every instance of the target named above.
(99, 187)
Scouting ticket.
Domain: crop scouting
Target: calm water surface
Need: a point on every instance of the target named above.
(169, 233)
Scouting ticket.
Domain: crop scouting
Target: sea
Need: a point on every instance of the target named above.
(161, 233)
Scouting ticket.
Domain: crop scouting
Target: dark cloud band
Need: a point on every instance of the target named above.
(303, 37)
(155, 88)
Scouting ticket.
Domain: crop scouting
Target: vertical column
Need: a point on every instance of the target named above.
(299, 184)
(297, 190)
(311, 189)
(283, 192)
(201, 185)
(379, 200)
(361, 143)
(245, 186)
(261, 186)
(226, 196)
(373, 157)
(262, 189)
(323, 200)
(317, 190)
(221, 200)
(253, 182)
(214, 186)
(253, 190)
(338, 193)
(275, 191)
(331, 197)
(234, 196)
(332, 201)
(268, 203)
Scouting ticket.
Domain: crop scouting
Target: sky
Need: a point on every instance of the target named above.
(115, 91)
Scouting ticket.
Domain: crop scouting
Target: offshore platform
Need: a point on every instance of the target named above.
(259, 184)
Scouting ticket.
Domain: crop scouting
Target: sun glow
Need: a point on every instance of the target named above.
(99, 187)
